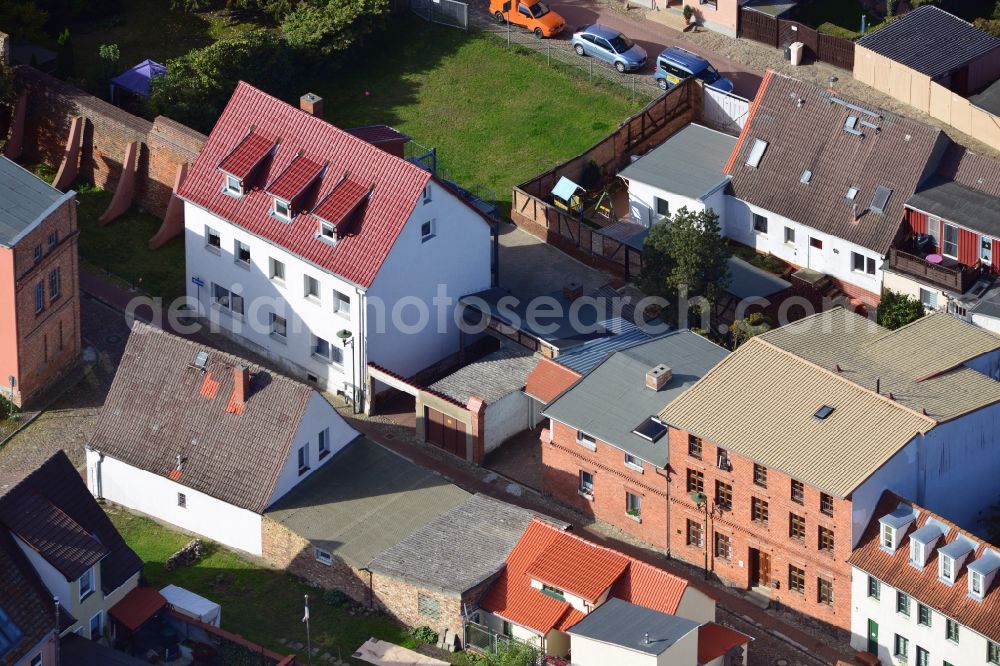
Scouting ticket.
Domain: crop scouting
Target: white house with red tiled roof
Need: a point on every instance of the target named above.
(323, 252)
(553, 580)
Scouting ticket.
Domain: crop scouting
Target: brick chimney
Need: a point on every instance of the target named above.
(241, 384)
(657, 378)
(312, 104)
(572, 291)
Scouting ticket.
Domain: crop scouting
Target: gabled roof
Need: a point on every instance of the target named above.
(161, 406)
(24, 200)
(296, 177)
(965, 190)
(52, 511)
(715, 640)
(894, 153)
(835, 359)
(548, 379)
(633, 627)
(923, 585)
(930, 41)
(579, 567)
(490, 378)
(613, 400)
(359, 255)
(247, 154)
(24, 601)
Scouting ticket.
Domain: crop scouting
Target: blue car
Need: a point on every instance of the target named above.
(609, 45)
(676, 64)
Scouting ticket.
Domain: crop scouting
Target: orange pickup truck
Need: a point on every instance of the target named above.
(531, 14)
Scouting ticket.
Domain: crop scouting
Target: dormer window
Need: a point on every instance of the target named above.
(946, 569)
(234, 186)
(888, 537)
(893, 526)
(327, 232)
(976, 584)
(917, 558)
(282, 209)
(982, 572)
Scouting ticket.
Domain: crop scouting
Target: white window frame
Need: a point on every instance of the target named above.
(274, 328)
(323, 442)
(629, 497)
(888, 532)
(976, 580)
(233, 186)
(55, 283)
(930, 302)
(754, 217)
(583, 488)
(272, 274)
(211, 233)
(986, 250)
(36, 660)
(427, 194)
(237, 245)
(586, 441)
(87, 576)
(656, 207)
(334, 355)
(231, 301)
(303, 458)
(341, 304)
(944, 235)
(323, 556)
(39, 297)
(100, 626)
(182, 500)
(281, 209)
(327, 231)
(432, 226)
(917, 553)
(790, 235)
(633, 462)
(946, 562)
(311, 294)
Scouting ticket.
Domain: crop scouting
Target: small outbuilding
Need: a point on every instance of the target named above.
(193, 605)
(137, 80)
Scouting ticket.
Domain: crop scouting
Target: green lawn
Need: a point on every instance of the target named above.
(261, 604)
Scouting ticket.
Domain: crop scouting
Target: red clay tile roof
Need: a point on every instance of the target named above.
(714, 640)
(376, 134)
(247, 154)
(341, 202)
(923, 585)
(549, 379)
(356, 257)
(573, 564)
(296, 177)
(899, 155)
(137, 607)
(157, 409)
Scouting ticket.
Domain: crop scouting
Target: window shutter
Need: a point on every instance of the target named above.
(968, 247)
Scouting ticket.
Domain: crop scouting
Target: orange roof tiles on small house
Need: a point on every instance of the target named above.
(714, 641)
(547, 555)
(548, 380)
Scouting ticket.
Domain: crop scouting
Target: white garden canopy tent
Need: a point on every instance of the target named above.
(193, 605)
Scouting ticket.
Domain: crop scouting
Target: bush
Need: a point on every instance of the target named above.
(897, 310)
(332, 26)
(65, 58)
(7, 409)
(424, 634)
(336, 598)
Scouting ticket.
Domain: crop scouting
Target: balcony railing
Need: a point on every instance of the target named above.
(956, 278)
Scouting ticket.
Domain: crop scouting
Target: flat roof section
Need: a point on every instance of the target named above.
(690, 163)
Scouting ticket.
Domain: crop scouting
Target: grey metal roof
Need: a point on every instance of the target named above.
(903, 515)
(928, 533)
(988, 99)
(620, 623)
(586, 357)
(960, 546)
(23, 199)
(689, 163)
(491, 377)
(775, 8)
(957, 203)
(365, 500)
(931, 41)
(460, 548)
(748, 281)
(613, 399)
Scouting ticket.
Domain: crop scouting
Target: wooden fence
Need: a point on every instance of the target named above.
(774, 32)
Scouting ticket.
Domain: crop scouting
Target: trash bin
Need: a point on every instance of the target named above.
(796, 53)
(788, 50)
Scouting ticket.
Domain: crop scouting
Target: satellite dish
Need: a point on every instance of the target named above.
(344, 334)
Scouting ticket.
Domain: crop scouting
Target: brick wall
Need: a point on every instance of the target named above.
(772, 538)
(52, 105)
(563, 459)
(48, 341)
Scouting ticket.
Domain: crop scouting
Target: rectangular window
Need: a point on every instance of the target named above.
(507, 629)
(304, 458)
(97, 627)
(86, 583)
(310, 287)
(758, 510)
(323, 556)
(796, 579)
(901, 648)
(887, 536)
(426, 231)
(276, 270)
(427, 194)
(553, 592)
(695, 481)
(327, 231)
(662, 206)
(723, 547)
(428, 606)
(242, 253)
(182, 500)
(723, 495)
(760, 475)
(723, 460)
(789, 235)
(796, 527)
(951, 630)
(923, 615)
(38, 253)
(976, 583)
(826, 504)
(586, 440)
(586, 483)
(341, 304)
(945, 571)
(694, 447)
(324, 442)
(212, 238)
(695, 534)
(633, 505)
(282, 209)
(759, 223)
(39, 297)
(826, 540)
(632, 462)
(815, 243)
(36, 660)
(923, 657)
(949, 242)
(279, 326)
(798, 492)
(53, 239)
(55, 283)
(902, 604)
(226, 299)
(986, 250)
(233, 185)
(992, 652)
(824, 592)
(322, 349)
(874, 588)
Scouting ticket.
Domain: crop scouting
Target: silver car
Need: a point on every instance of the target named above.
(609, 45)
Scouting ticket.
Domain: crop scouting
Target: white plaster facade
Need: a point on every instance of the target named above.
(970, 650)
(505, 418)
(384, 320)
(590, 652)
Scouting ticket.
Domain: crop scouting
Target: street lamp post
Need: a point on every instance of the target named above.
(701, 501)
(346, 337)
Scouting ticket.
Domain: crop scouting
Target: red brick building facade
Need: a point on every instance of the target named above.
(765, 529)
(39, 290)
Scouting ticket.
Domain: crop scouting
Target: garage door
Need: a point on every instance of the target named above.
(445, 432)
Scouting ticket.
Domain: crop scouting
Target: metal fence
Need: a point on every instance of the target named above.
(446, 12)
(485, 640)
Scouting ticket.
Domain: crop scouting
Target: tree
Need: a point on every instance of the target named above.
(686, 251)
(511, 653)
(744, 329)
(110, 56)
(898, 310)
(22, 19)
(324, 27)
(65, 59)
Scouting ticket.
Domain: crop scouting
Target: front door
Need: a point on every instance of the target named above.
(760, 568)
(816, 260)
(873, 637)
